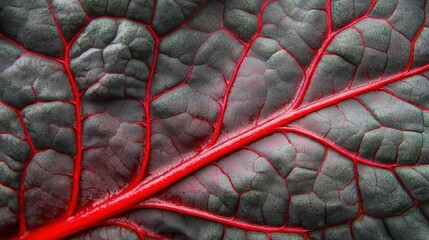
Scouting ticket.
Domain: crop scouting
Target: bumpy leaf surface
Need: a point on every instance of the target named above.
(214, 119)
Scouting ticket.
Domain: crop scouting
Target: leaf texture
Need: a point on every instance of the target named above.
(214, 119)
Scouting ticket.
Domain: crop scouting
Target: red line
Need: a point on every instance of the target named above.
(329, 12)
(78, 162)
(137, 229)
(180, 25)
(113, 206)
(234, 76)
(224, 220)
(22, 220)
(314, 64)
(152, 16)
(356, 160)
(78, 129)
(83, 9)
(146, 104)
(28, 51)
(340, 150)
(183, 82)
(413, 43)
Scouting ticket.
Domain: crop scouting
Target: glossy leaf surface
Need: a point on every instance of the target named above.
(229, 119)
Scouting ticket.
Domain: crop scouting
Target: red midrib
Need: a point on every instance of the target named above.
(111, 207)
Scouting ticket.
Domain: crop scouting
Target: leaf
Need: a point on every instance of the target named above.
(210, 119)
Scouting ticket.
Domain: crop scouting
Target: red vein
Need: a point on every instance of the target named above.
(28, 51)
(152, 15)
(183, 82)
(146, 104)
(321, 51)
(329, 13)
(138, 230)
(78, 129)
(413, 43)
(89, 217)
(234, 76)
(278, 173)
(183, 23)
(224, 220)
(337, 148)
(22, 222)
(22, 219)
(355, 159)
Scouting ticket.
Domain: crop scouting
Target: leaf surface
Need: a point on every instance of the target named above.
(232, 119)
